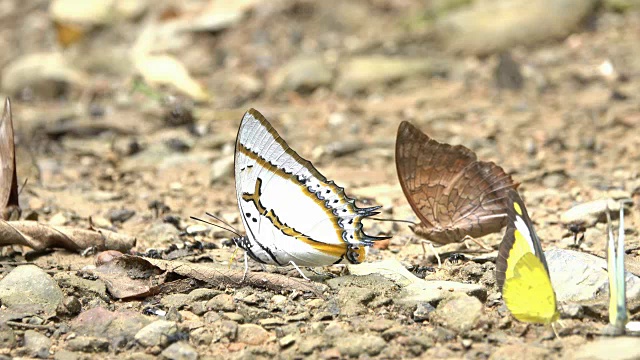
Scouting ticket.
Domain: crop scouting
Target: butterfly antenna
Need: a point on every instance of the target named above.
(231, 230)
(396, 220)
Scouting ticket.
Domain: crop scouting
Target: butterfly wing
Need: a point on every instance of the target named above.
(291, 212)
(528, 294)
(452, 193)
(618, 315)
(521, 269)
(9, 188)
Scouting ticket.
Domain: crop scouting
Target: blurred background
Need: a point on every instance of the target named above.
(126, 111)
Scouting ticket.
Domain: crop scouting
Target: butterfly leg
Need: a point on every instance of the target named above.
(433, 249)
(553, 327)
(480, 243)
(246, 266)
(299, 271)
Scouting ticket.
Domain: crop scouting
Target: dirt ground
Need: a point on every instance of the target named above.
(140, 159)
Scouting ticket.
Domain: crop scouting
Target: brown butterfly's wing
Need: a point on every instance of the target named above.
(8, 178)
(452, 193)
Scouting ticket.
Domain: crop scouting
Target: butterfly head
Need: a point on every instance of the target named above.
(242, 242)
(356, 253)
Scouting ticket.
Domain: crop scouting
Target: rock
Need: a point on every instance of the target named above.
(44, 72)
(87, 344)
(180, 351)
(252, 334)
(221, 169)
(202, 294)
(356, 345)
(589, 213)
(165, 69)
(287, 341)
(121, 215)
(120, 326)
(459, 312)
(177, 301)
(68, 355)
(81, 287)
(488, 27)
(622, 5)
(521, 351)
(508, 73)
(7, 337)
(30, 288)
(222, 302)
(423, 311)
(37, 344)
(201, 336)
(303, 74)
(413, 289)
(161, 234)
(157, 333)
(578, 276)
(89, 12)
(361, 73)
(620, 348)
(309, 345)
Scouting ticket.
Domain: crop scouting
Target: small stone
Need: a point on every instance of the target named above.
(239, 318)
(37, 344)
(177, 301)
(381, 325)
(7, 337)
(521, 351)
(121, 215)
(589, 213)
(287, 341)
(303, 74)
(394, 332)
(459, 312)
(202, 294)
(88, 344)
(356, 345)
(309, 345)
(58, 219)
(303, 316)
(278, 299)
(252, 334)
(225, 329)
(271, 323)
(180, 351)
(71, 306)
(30, 286)
(423, 310)
(221, 169)
(201, 336)
(157, 333)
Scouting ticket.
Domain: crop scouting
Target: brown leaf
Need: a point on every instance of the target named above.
(40, 236)
(8, 178)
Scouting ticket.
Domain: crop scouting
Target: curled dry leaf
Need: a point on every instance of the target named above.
(39, 236)
(221, 275)
(131, 276)
(8, 178)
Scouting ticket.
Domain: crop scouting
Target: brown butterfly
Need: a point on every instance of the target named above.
(453, 194)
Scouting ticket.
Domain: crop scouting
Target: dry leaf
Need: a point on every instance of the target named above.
(9, 180)
(167, 70)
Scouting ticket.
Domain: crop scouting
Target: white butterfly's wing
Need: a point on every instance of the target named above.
(290, 211)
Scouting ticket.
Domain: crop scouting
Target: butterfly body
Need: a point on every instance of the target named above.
(453, 194)
(521, 269)
(290, 211)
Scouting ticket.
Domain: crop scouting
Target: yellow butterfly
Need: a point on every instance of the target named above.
(521, 269)
(618, 313)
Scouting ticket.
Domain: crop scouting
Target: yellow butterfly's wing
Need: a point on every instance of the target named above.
(521, 269)
(528, 294)
(618, 313)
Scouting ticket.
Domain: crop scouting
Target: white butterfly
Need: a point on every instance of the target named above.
(292, 214)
